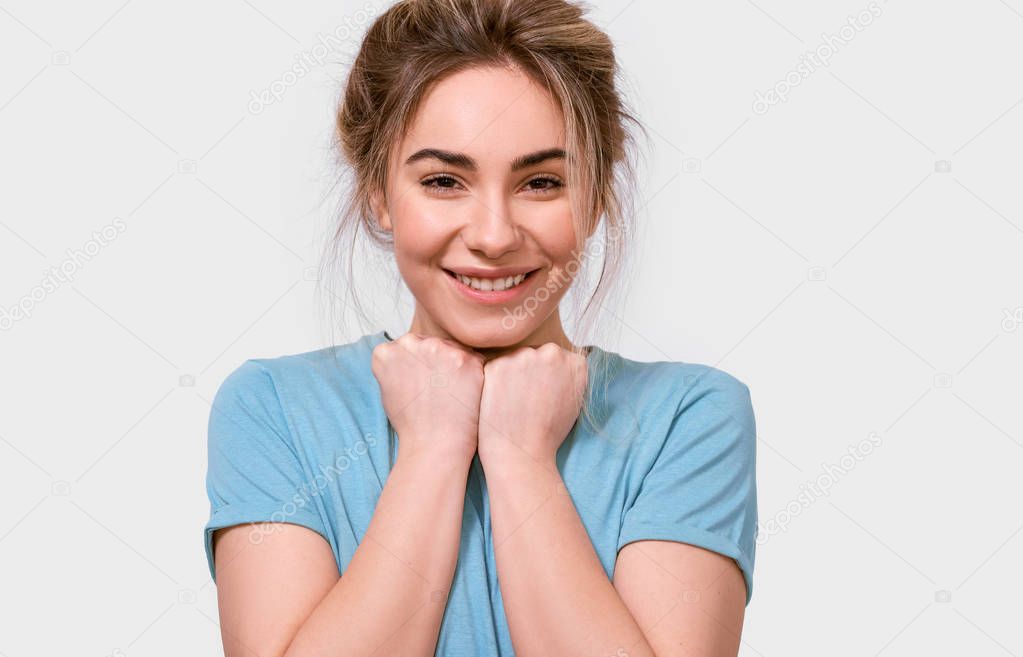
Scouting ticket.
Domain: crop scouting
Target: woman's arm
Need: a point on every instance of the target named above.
(688, 600)
(668, 599)
(282, 595)
(557, 597)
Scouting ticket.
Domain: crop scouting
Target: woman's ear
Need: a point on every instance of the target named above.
(378, 205)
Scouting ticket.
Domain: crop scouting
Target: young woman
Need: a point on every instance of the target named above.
(481, 485)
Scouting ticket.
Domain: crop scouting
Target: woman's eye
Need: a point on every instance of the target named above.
(440, 183)
(446, 184)
(543, 181)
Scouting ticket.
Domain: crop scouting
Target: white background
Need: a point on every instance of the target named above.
(816, 251)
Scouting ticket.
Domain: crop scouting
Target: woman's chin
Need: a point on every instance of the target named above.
(484, 339)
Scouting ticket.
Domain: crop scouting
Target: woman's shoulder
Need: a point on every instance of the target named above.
(682, 382)
(346, 364)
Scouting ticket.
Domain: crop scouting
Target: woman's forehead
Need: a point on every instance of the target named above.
(489, 113)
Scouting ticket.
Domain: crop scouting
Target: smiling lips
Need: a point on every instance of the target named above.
(490, 284)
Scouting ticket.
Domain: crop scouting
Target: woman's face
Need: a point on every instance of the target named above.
(477, 188)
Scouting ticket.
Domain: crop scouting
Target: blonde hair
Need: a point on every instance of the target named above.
(415, 44)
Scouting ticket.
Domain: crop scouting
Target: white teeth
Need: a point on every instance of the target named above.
(491, 284)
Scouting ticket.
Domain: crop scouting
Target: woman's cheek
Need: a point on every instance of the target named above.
(421, 230)
(560, 239)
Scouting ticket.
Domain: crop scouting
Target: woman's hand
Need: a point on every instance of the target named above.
(431, 389)
(531, 399)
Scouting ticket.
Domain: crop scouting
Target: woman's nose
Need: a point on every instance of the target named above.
(491, 230)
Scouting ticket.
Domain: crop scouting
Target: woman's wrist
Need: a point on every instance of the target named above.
(434, 459)
(502, 456)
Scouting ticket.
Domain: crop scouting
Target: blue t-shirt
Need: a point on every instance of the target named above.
(304, 439)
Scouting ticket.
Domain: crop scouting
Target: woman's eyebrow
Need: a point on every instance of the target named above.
(463, 161)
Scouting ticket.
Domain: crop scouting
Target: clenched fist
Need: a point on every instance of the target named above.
(531, 399)
(431, 389)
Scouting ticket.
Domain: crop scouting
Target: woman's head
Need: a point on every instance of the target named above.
(488, 81)
(476, 188)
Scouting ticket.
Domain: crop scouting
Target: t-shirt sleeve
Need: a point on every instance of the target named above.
(253, 471)
(701, 488)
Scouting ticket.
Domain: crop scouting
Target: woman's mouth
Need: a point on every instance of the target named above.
(492, 290)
